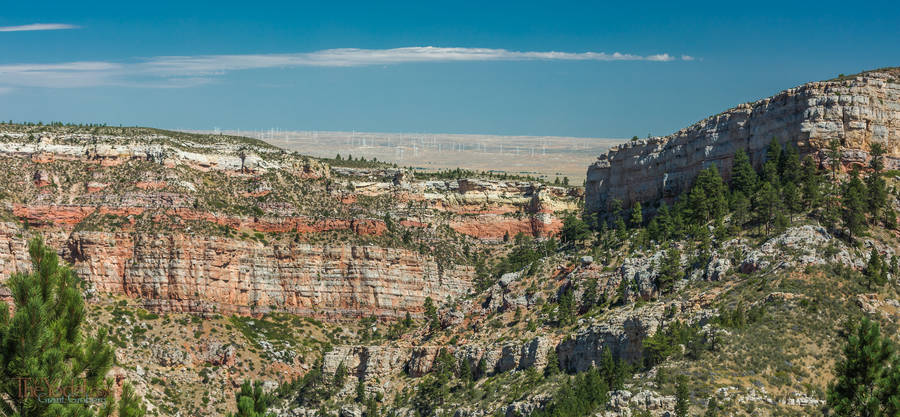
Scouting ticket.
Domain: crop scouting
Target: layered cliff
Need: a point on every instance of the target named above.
(219, 224)
(858, 110)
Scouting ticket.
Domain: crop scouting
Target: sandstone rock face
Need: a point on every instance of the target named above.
(13, 249)
(205, 274)
(859, 112)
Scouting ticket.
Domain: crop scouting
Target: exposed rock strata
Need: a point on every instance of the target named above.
(858, 111)
(188, 223)
(180, 273)
(373, 363)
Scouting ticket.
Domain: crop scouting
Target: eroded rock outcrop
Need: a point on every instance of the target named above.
(859, 111)
(217, 224)
(204, 274)
(623, 334)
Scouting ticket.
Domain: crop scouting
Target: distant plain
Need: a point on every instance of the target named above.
(548, 157)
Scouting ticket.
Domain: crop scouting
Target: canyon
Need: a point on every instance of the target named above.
(347, 285)
(203, 224)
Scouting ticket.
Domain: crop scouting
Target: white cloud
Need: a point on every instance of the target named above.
(4, 90)
(349, 57)
(184, 71)
(687, 58)
(37, 26)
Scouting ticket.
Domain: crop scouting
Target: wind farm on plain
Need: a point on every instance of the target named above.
(543, 156)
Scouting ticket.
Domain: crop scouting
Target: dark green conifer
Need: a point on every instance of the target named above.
(252, 401)
(637, 218)
(682, 399)
(789, 164)
(876, 270)
(743, 176)
(431, 314)
(42, 342)
(858, 389)
(792, 201)
(854, 206)
(670, 270)
(812, 184)
(876, 187)
(766, 204)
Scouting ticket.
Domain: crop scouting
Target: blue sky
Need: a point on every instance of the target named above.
(524, 68)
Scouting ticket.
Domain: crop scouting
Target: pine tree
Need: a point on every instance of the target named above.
(876, 270)
(767, 204)
(743, 176)
(781, 222)
(773, 151)
(552, 367)
(707, 197)
(812, 186)
(664, 219)
(876, 153)
(789, 164)
(855, 391)
(792, 202)
(653, 230)
(566, 308)
(622, 292)
(740, 209)
(434, 323)
(41, 341)
(770, 173)
(888, 389)
(434, 389)
(854, 206)
(876, 187)
(697, 202)
(612, 370)
(669, 271)
(130, 405)
(621, 229)
(590, 296)
(637, 218)
(574, 230)
(681, 396)
(252, 401)
(407, 320)
(890, 219)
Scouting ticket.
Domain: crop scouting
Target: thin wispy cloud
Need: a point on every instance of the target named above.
(37, 26)
(185, 71)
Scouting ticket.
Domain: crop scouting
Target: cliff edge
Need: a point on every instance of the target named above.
(858, 110)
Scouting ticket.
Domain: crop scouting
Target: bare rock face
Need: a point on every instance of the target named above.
(206, 274)
(374, 363)
(858, 111)
(367, 363)
(623, 334)
(13, 250)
